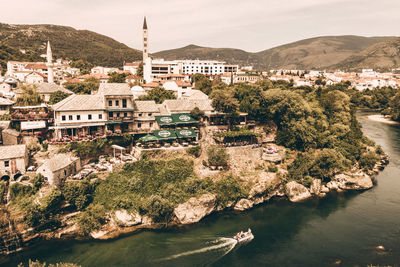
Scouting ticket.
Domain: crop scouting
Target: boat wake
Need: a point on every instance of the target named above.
(225, 244)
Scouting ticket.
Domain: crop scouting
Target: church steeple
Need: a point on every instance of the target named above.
(145, 41)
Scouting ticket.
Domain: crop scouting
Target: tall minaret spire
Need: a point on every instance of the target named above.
(49, 56)
(145, 41)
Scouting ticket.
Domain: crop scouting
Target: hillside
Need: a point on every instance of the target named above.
(68, 42)
(8, 53)
(384, 55)
(313, 53)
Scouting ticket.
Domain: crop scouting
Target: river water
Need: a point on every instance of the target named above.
(341, 229)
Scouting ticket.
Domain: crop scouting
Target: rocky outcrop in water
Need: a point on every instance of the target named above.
(296, 192)
(195, 209)
(243, 204)
(354, 181)
(124, 218)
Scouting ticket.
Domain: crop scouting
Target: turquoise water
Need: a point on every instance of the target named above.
(343, 228)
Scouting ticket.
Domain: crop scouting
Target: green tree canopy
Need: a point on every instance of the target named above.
(158, 94)
(116, 77)
(57, 97)
(29, 97)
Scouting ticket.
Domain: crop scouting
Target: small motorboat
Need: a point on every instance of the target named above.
(244, 236)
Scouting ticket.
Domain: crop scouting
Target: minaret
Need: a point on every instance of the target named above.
(145, 41)
(50, 76)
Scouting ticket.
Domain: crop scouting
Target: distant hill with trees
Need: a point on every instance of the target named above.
(66, 42)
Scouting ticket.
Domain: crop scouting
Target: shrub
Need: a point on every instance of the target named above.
(51, 201)
(34, 216)
(368, 160)
(92, 219)
(45, 146)
(194, 151)
(19, 191)
(217, 156)
(228, 189)
(158, 208)
(38, 181)
(80, 194)
(3, 186)
(272, 168)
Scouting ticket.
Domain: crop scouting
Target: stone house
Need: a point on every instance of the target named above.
(59, 167)
(145, 112)
(13, 161)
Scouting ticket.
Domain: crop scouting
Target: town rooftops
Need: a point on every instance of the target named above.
(36, 66)
(195, 95)
(49, 88)
(80, 102)
(12, 152)
(110, 89)
(184, 105)
(58, 162)
(132, 64)
(146, 106)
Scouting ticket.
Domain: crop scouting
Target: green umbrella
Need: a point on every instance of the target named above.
(148, 138)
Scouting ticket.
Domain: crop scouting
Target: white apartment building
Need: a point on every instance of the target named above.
(157, 67)
(103, 70)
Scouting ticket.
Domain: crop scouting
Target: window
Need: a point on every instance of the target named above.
(151, 124)
(110, 103)
(117, 103)
(78, 117)
(124, 103)
(139, 125)
(150, 114)
(70, 117)
(117, 114)
(140, 114)
(125, 114)
(100, 116)
(89, 116)
(63, 117)
(110, 114)
(6, 163)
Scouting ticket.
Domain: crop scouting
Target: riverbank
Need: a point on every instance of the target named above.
(383, 119)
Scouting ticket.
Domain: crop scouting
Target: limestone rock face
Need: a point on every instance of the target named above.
(243, 204)
(316, 187)
(126, 219)
(296, 192)
(264, 183)
(332, 185)
(195, 209)
(355, 181)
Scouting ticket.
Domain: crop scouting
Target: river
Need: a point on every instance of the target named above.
(344, 228)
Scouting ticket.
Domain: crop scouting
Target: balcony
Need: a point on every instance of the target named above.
(30, 116)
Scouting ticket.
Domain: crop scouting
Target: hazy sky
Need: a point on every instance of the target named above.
(252, 25)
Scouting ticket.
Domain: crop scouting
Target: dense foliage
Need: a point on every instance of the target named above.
(217, 156)
(57, 97)
(158, 94)
(86, 87)
(116, 77)
(29, 96)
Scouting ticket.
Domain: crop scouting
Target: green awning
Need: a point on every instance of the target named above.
(148, 138)
(165, 134)
(165, 120)
(186, 133)
(183, 118)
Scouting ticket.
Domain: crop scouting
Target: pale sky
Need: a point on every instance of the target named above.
(251, 25)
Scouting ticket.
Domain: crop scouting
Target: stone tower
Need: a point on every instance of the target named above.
(50, 75)
(145, 41)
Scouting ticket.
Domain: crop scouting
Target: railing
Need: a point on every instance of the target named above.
(16, 116)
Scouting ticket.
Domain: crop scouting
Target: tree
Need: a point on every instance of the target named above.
(217, 156)
(116, 77)
(84, 88)
(139, 71)
(84, 66)
(202, 83)
(223, 101)
(196, 113)
(395, 107)
(29, 97)
(158, 94)
(57, 97)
